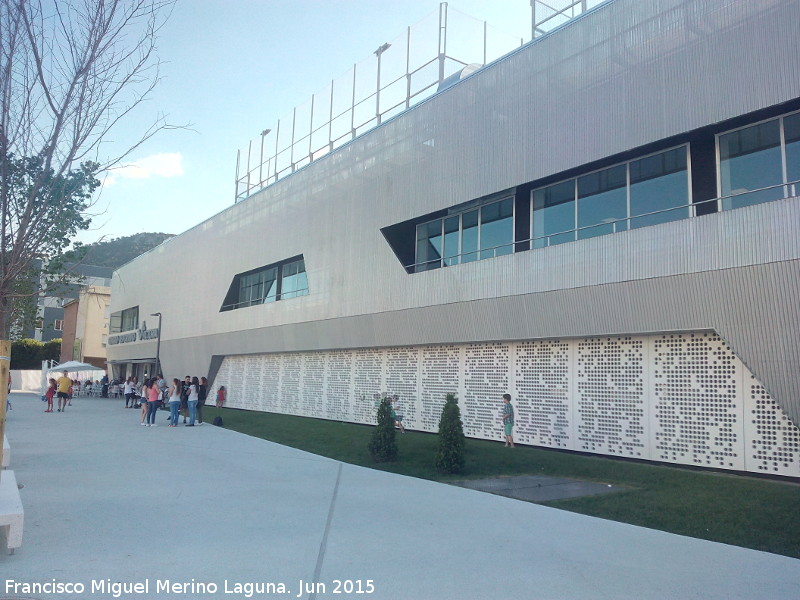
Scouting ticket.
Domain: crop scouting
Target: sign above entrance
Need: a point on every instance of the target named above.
(141, 334)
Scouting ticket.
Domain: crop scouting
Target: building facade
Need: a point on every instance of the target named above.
(52, 297)
(603, 223)
(86, 321)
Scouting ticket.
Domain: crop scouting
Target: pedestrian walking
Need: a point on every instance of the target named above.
(64, 384)
(202, 393)
(192, 400)
(508, 420)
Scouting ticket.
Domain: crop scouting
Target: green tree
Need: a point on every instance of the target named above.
(70, 71)
(41, 209)
(382, 443)
(450, 453)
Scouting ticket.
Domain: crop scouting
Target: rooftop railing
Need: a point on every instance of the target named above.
(400, 74)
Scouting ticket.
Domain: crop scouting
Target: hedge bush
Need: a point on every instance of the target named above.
(450, 453)
(382, 443)
(29, 354)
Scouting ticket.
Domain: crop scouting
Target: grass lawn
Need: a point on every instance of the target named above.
(733, 509)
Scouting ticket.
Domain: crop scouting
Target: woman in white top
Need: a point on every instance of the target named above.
(127, 390)
(193, 388)
(174, 402)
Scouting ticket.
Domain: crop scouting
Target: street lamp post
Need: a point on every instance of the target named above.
(158, 344)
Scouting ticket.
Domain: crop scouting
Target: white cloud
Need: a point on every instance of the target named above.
(166, 164)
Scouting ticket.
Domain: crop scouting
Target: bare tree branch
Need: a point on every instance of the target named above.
(70, 72)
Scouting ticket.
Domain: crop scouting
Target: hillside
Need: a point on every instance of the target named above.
(115, 253)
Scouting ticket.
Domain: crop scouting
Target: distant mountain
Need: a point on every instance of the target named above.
(115, 253)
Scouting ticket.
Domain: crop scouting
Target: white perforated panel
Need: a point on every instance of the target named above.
(773, 441)
(268, 389)
(698, 406)
(485, 381)
(543, 412)
(340, 385)
(367, 381)
(291, 401)
(681, 398)
(312, 385)
(610, 389)
(440, 376)
(401, 381)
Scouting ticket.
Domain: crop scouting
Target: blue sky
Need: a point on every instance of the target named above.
(232, 68)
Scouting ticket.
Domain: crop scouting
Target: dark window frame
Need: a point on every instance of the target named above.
(233, 299)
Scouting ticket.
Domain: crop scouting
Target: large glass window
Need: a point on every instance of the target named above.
(791, 135)
(554, 214)
(258, 288)
(497, 228)
(429, 245)
(483, 232)
(602, 202)
(659, 190)
(294, 282)
(452, 242)
(469, 236)
(124, 320)
(749, 161)
(647, 191)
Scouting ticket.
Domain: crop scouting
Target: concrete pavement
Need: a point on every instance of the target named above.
(205, 512)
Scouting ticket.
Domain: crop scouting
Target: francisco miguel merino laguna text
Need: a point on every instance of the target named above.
(162, 586)
(165, 586)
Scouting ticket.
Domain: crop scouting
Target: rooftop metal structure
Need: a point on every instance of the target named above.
(400, 73)
(431, 55)
(549, 15)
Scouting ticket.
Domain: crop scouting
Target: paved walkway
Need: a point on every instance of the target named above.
(110, 502)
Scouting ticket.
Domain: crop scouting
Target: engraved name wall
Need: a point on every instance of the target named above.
(678, 398)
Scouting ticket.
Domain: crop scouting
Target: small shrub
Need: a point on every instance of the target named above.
(382, 444)
(450, 454)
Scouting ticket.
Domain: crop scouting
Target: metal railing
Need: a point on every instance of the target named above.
(731, 201)
(265, 300)
(550, 14)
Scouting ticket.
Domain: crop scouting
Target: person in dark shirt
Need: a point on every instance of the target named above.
(187, 382)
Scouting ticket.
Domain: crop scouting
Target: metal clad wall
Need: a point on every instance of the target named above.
(740, 304)
(627, 75)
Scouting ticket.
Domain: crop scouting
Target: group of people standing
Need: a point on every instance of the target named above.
(185, 398)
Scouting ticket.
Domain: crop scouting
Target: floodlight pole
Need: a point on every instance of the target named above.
(381, 49)
(261, 160)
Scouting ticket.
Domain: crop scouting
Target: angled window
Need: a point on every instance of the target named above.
(293, 280)
(483, 232)
(124, 320)
(270, 283)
